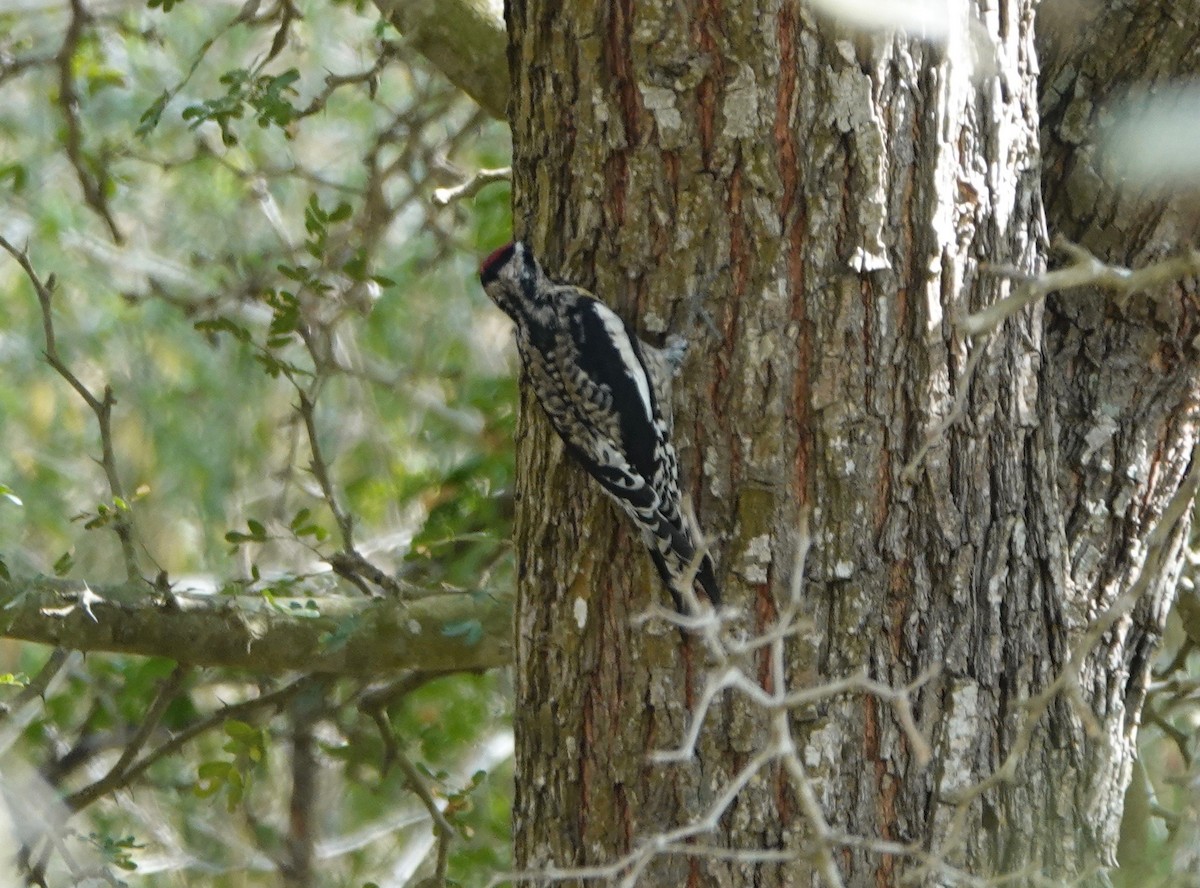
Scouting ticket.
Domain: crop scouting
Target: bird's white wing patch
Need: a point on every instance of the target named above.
(615, 328)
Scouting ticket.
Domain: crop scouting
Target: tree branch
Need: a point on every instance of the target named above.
(324, 634)
(461, 38)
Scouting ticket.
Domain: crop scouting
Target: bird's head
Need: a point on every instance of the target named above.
(510, 276)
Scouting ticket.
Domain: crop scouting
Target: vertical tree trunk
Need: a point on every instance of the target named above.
(810, 206)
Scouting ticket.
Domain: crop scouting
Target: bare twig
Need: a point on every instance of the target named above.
(1084, 270)
(93, 184)
(482, 178)
(349, 563)
(119, 774)
(287, 13)
(122, 521)
(14, 67)
(388, 52)
(445, 832)
(38, 684)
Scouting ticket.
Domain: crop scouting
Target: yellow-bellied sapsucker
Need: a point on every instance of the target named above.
(607, 394)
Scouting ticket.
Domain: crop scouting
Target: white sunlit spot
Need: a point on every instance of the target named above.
(1154, 136)
(930, 19)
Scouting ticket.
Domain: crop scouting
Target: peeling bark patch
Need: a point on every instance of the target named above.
(765, 613)
(962, 729)
(794, 225)
(885, 789)
(616, 171)
(586, 759)
(739, 255)
(784, 131)
(741, 105)
(619, 67)
(707, 18)
(660, 102)
(756, 559)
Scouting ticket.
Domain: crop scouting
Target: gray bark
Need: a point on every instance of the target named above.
(811, 207)
(334, 634)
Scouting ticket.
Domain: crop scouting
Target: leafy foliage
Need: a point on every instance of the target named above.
(266, 95)
(267, 250)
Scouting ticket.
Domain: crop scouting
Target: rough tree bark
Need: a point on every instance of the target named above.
(811, 206)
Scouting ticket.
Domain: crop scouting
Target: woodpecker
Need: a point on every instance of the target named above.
(607, 394)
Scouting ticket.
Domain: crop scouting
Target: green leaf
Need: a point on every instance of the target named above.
(15, 173)
(292, 272)
(240, 730)
(63, 565)
(356, 266)
(211, 776)
(152, 115)
(224, 325)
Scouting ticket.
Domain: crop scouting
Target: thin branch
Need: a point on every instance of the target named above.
(443, 829)
(119, 774)
(389, 52)
(1084, 270)
(349, 563)
(122, 521)
(243, 711)
(14, 67)
(38, 684)
(93, 185)
(480, 180)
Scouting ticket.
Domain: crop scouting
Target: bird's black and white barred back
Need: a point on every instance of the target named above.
(607, 394)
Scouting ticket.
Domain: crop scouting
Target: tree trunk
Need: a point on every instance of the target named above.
(811, 206)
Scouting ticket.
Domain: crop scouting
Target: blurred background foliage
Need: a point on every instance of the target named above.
(225, 224)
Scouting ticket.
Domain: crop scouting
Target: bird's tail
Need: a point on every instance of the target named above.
(674, 556)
